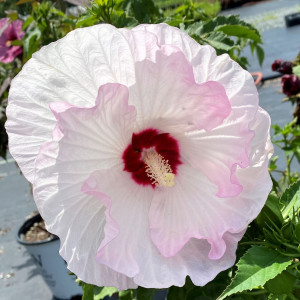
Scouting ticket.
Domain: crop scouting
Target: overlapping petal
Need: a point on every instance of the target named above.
(166, 91)
(68, 71)
(233, 135)
(127, 248)
(84, 140)
(186, 211)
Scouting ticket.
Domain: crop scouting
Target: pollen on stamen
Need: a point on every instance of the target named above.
(158, 169)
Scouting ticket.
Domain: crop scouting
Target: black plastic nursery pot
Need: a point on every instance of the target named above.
(53, 268)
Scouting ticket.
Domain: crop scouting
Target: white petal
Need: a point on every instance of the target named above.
(191, 209)
(69, 70)
(166, 92)
(76, 218)
(85, 140)
(127, 247)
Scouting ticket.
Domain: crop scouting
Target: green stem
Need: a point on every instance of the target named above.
(290, 162)
(290, 246)
(288, 254)
(272, 246)
(252, 243)
(260, 292)
(295, 265)
(293, 297)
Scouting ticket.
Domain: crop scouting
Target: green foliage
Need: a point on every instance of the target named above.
(287, 138)
(282, 284)
(296, 70)
(192, 11)
(271, 212)
(144, 11)
(46, 24)
(255, 268)
(145, 294)
(290, 200)
(92, 292)
(88, 291)
(102, 292)
(228, 35)
(126, 295)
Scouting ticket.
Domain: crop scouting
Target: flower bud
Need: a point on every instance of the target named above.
(284, 67)
(290, 85)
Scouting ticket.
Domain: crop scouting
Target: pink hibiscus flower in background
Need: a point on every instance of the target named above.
(148, 153)
(10, 31)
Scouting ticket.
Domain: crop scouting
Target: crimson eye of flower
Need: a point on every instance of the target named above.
(152, 158)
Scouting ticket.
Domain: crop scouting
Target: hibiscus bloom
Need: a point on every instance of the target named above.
(10, 31)
(148, 153)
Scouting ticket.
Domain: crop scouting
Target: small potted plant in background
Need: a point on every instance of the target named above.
(43, 248)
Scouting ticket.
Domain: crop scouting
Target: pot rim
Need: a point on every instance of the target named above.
(24, 228)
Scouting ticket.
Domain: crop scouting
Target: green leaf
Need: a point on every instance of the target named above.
(287, 231)
(121, 21)
(229, 24)
(260, 54)
(27, 22)
(270, 212)
(240, 31)
(210, 8)
(31, 41)
(86, 21)
(17, 43)
(219, 41)
(273, 161)
(101, 292)
(180, 293)
(291, 200)
(281, 284)
(296, 70)
(144, 9)
(255, 268)
(88, 291)
(126, 295)
(297, 232)
(145, 294)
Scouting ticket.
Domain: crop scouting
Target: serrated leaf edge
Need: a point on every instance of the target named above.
(221, 297)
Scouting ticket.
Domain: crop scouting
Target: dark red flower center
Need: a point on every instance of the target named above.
(163, 147)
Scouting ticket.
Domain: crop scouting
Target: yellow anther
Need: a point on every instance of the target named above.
(169, 179)
(158, 169)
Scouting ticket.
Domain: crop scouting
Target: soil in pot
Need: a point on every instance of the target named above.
(37, 232)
